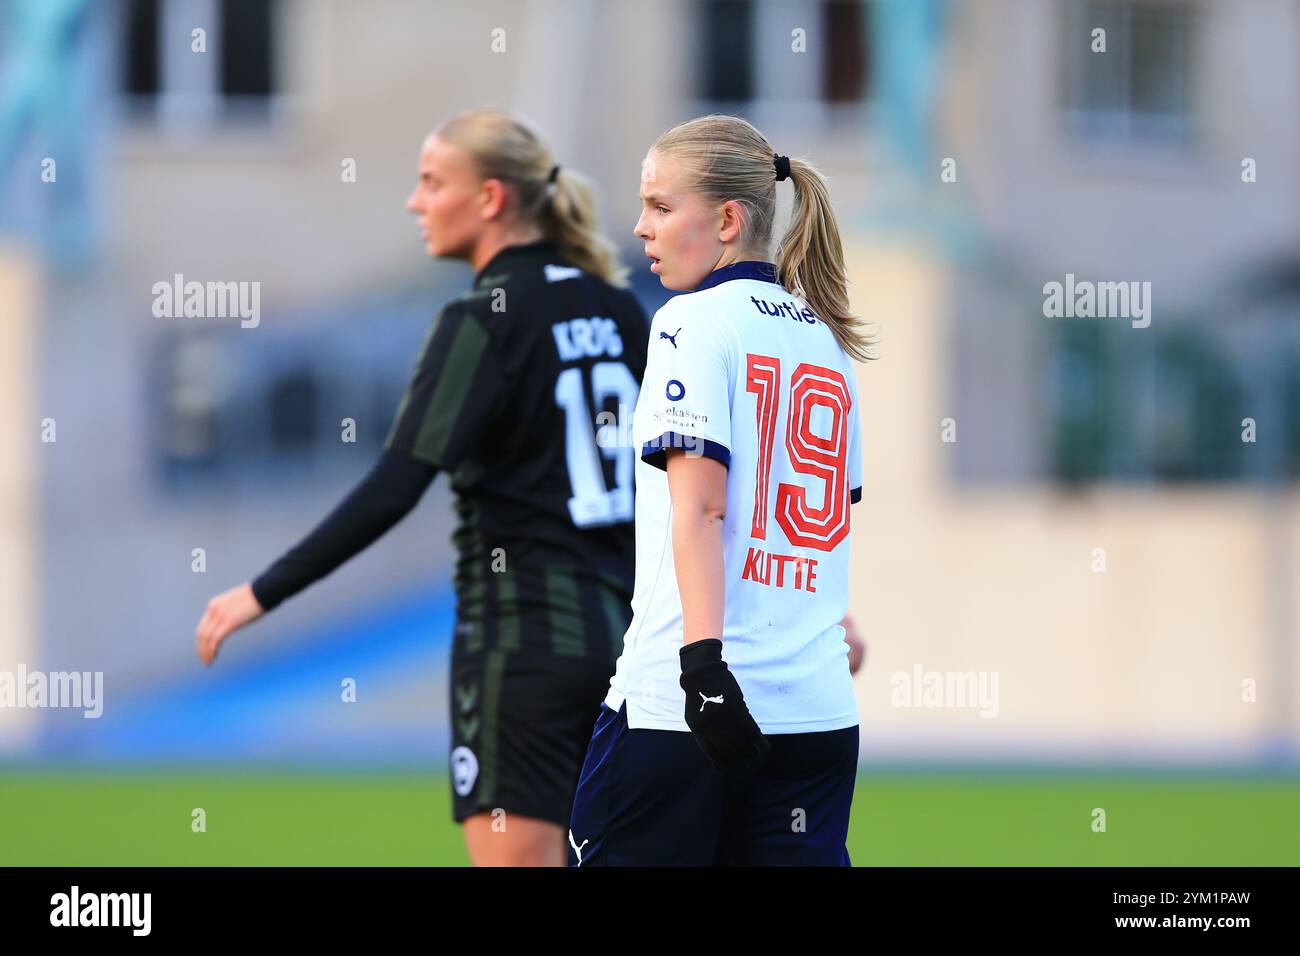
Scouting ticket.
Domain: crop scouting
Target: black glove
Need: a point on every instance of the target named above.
(715, 708)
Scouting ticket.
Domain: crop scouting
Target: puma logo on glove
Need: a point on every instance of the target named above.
(727, 733)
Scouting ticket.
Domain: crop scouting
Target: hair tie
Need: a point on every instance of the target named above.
(555, 171)
(782, 164)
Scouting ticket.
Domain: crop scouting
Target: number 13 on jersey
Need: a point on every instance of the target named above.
(592, 503)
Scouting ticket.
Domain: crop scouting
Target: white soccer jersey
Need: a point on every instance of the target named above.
(740, 371)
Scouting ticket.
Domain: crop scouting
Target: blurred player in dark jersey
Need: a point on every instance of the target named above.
(519, 394)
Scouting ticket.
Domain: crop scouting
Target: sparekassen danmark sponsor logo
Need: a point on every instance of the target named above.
(102, 909)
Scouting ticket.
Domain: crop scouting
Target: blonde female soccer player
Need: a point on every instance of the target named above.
(505, 398)
(730, 731)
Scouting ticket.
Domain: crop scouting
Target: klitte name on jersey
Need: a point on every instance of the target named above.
(760, 564)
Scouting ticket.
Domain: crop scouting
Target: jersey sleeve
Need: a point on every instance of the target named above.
(687, 387)
(855, 440)
(453, 394)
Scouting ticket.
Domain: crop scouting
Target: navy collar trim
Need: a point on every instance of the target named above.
(542, 247)
(748, 269)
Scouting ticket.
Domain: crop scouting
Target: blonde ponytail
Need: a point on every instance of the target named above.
(810, 261)
(569, 220)
(726, 158)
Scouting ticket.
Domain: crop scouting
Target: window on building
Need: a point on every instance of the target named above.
(728, 41)
(246, 27)
(140, 59)
(1140, 86)
(846, 68)
(232, 76)
(1168, 404)
(746, 51)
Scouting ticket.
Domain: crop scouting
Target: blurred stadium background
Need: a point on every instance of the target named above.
(1098, 538)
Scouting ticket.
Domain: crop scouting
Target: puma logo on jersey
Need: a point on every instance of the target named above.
(710, 700)
(577, 850)
(671, 338)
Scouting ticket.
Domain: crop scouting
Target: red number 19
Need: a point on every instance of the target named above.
(810, 454)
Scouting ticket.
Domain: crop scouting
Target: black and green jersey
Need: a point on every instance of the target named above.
(524, 393)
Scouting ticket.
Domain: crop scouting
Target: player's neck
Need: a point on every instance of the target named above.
(730, 257)
(490, 245)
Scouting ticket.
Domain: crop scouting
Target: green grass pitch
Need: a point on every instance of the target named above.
(50, 818)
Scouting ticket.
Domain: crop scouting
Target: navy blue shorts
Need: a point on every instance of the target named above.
(651, 798)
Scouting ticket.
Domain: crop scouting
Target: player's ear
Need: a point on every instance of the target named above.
(492, 199)
(733, 218)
